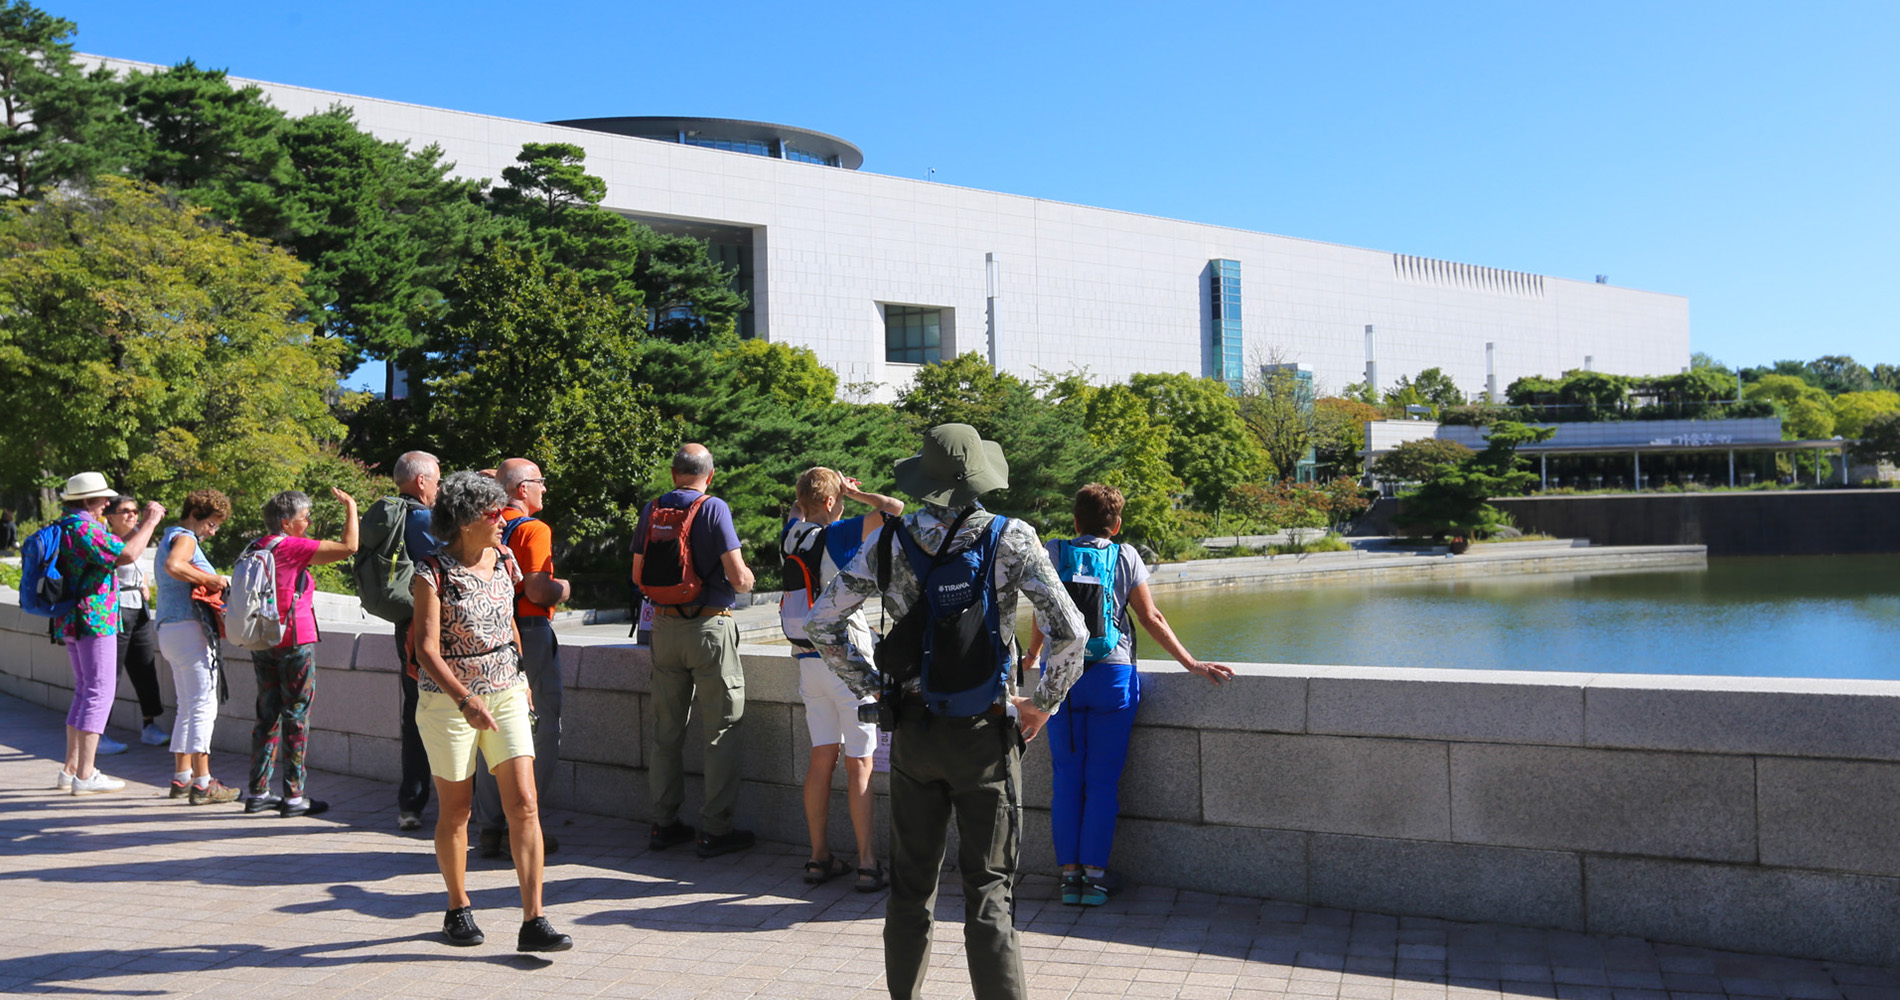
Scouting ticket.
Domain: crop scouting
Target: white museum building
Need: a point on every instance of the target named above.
(878, 274)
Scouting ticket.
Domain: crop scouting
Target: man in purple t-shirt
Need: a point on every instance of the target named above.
(696, 660)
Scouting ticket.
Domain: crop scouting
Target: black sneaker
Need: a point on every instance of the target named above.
(539, 935)
(458, 925)
(308, 807)
(263, 803)
(712, 845)
(667, 836)
(492, 843)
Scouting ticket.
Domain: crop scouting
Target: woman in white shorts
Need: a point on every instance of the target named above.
(815, 544)
(474, 698)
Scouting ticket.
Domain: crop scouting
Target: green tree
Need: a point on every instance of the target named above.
(218, 144)
(1451, 501)
(1438, 388)
(686, 293)
(1888, 376)
(1697, 385)
(1853, 410)
(779, 372)
(1120, 426)
(58, 123)
(145, 342)
(528, 363)
(1208, 446)
(1417, 461)
(1838, 373)
(1048, 446)
(1807, 414)
(1339, 433)
(382, 227)
(1278, 408)
(551, 193)
(1880, 439)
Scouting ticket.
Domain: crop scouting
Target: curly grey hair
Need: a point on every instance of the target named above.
(464, 497)
(284, 507)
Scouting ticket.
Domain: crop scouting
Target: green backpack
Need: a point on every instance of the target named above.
(383, 567)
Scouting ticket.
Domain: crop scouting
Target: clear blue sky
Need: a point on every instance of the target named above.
(1741, 154)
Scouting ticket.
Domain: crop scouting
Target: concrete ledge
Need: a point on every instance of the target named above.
(1784, 716)
(1472, 705)
(1618, 801)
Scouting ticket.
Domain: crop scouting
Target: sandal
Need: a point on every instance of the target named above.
(872, 879)
(819, 872)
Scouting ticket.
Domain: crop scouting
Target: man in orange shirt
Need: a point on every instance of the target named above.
(532, 542)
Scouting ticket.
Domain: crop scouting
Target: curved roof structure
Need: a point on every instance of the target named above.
(759, 138)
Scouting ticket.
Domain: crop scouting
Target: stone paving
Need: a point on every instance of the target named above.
(135, 894)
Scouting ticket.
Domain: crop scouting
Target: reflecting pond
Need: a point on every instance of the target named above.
(1826, 616)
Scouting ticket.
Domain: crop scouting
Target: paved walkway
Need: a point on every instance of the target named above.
(138, 895)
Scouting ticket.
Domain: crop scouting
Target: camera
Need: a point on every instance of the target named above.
(883, 712)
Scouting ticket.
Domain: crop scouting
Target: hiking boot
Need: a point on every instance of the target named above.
(304, 807)
(539, 935)
(712, 845)
(407, 820)
(263, 803)
(99, 782)
(152, 736)
(492, 843)
(670, 835)
(458, 925)
(214, 792)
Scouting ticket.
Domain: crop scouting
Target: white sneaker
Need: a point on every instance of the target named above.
(99, 782)
(65, 780)
(152, 736)
(109, 746)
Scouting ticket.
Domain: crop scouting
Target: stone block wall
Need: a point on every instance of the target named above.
(1752, 814)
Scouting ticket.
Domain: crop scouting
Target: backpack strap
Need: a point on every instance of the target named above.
(508, 528)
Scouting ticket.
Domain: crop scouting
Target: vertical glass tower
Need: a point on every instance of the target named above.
(1224, 290)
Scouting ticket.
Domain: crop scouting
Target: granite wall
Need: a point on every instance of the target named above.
(1749, 814)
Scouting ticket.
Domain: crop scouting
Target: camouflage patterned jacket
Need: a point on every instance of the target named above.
(1022, 565)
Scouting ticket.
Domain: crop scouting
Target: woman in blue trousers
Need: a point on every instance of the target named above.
(1088, 739)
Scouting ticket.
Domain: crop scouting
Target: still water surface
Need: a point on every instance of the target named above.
(1827, 616)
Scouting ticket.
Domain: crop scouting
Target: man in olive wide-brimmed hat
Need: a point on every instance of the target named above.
(945, 764)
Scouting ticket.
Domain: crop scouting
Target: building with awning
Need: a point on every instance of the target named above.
(1634, 440)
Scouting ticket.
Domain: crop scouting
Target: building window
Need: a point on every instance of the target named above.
(913, 335)
(794, 153)
(753, 146)
(1224, 290)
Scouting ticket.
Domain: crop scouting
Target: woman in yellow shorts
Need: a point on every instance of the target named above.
(475, 698)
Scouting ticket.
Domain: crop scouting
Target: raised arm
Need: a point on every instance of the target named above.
(135, 546)
(887, 505)
(329, 552)
(1142, 603)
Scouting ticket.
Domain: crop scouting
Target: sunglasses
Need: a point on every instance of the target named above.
(497, 515)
